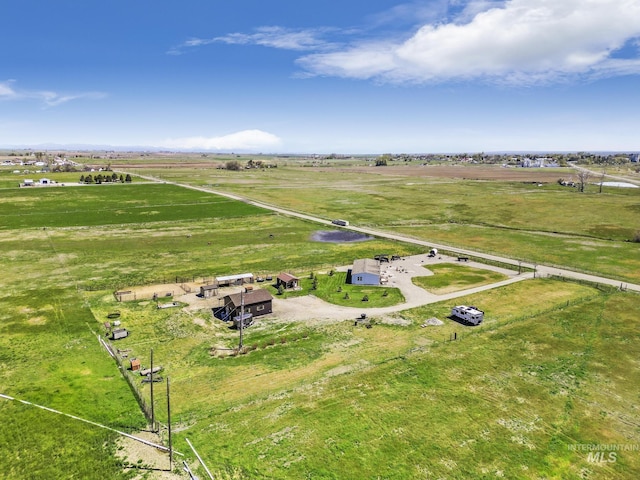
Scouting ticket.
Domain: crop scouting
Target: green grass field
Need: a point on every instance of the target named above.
(450, 278)
(552, 367)
(113, 204)
(546, 224)
(509, 398)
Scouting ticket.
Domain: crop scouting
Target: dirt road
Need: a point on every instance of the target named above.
(541, 270)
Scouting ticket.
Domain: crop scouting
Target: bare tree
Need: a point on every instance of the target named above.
(583, 178)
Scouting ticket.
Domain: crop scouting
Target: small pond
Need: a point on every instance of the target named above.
(339, 236)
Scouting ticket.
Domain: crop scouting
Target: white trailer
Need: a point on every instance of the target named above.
(471, 314)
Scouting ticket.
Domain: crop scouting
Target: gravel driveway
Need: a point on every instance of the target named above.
(400, 273)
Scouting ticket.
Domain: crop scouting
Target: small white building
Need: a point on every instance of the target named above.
(239, 279)
(469, 314)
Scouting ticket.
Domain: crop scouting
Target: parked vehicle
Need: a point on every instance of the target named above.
(470, 314)
(342, 223)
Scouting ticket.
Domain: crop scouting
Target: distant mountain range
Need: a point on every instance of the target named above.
(140, 148)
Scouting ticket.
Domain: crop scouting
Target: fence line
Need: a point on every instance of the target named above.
(95, 424)
(129, 377)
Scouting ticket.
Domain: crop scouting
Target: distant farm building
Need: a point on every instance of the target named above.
(256, 302)
(539, 162)
(287, 281)
(471, 315)
(365, 271)
(239, 279)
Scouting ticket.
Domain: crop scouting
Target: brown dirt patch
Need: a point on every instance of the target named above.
(147, 292)
(37, 321)
(149, 461)
(488, 172)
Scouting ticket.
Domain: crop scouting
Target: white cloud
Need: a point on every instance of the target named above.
(275, 37)
(520, 41)
(50, 99)
(245, 140)
(6, 92)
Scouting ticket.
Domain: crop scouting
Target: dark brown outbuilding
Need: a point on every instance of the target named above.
(287, 281)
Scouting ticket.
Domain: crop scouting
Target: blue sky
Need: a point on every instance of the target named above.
(283, 76)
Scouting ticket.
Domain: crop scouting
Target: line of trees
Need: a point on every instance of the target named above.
(100, 178)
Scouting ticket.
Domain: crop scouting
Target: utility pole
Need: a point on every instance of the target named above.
(241, 319)
(169, 425)
(153, 416)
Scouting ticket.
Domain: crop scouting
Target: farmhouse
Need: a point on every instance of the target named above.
(239, 279)
(256, 302)
(365, 271)
(287, 281)
(469, 314)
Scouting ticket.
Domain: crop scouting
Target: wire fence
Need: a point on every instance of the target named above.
(122, 359)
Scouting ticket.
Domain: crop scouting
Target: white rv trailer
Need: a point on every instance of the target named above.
(469, 314)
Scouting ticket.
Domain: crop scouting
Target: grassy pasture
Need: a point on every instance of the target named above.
(553, 365)
(546, 224)
(113, 204)
(49, 352)
(49, 356)
(508, 398)
(450, 278)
